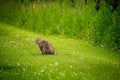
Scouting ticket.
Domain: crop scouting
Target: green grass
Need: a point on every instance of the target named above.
(58, 17)
(20, 58)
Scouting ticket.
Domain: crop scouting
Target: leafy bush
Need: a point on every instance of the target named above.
(73, 18)
(104, 29)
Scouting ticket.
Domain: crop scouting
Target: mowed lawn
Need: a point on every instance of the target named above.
(20, 58)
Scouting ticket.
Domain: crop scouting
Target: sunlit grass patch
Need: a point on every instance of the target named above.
(21, 59)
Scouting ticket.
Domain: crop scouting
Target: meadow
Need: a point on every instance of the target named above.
(20, 58)
(84, 33)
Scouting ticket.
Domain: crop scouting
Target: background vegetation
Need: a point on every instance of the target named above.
(97, 21)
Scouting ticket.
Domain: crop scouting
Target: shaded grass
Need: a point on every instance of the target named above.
(75, 60)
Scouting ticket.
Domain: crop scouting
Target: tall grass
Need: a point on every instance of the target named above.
(74, 19)
(48, 17)
(105, 30)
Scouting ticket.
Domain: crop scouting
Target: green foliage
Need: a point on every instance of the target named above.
(105, 30)
(73, 18)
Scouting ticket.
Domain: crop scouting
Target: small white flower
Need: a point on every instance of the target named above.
(74, 73)
(84, 78)
(71, 66)
(50, 64)
(56, 64)
(62, 73)
(42, 70)
(81, 73)
(23, 69)
(18, 64)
